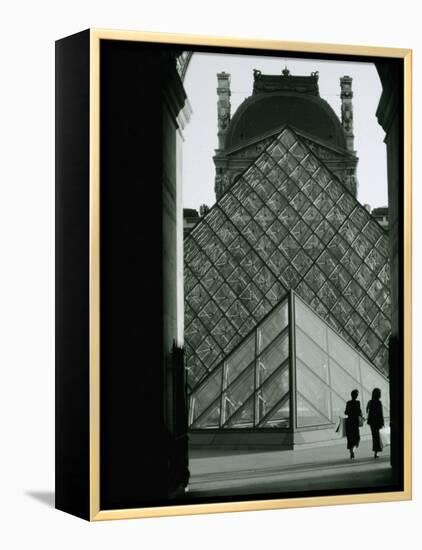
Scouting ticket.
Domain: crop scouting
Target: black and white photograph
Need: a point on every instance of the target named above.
(246, 270)
(209, 279)
(287, 290)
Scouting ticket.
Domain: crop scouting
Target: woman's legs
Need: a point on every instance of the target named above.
(376, 442)
(353, 438)
(350, 445)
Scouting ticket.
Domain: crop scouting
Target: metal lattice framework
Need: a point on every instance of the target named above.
(292, 372)
(287, 223)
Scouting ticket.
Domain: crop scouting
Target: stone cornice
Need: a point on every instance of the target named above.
(389, 102)
(175, 96)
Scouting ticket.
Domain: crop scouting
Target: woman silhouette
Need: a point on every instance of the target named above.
(353, 413)
(375, 419)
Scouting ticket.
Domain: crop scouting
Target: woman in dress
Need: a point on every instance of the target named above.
(353, 413)
(375, 419)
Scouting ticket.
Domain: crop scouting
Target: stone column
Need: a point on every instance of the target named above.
(144, 452)
(346, 96)
(390, 117)
(223, 121)
(347, 111)
(175, 115)
(223, 107)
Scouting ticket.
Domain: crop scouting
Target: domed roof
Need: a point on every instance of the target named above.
(263, 112)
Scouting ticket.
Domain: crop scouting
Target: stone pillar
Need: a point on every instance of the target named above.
(143, 446)
(390, 117)
(175, 115)
(223, 118)
(223, 107)
(347, 111)
(347, 123)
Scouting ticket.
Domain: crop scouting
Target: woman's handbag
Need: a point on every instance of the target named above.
(385, 437)
(341, 426)
(361, 421)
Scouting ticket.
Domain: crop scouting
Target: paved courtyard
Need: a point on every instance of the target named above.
(233, 472)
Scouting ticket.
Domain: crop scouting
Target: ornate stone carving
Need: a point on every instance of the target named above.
(347, 110)
(223, 116)
(218, 185)
(285, 82)
(203, 209)
(223, 106)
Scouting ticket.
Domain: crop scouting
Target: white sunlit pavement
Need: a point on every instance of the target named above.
(235, 472)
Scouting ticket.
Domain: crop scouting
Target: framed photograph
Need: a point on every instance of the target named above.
(233, 274)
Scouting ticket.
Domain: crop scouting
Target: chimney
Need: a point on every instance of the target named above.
(347, 111)
(223, 107)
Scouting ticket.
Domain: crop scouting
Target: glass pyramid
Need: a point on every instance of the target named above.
(250, 388)
(291, 372)
(287, 223)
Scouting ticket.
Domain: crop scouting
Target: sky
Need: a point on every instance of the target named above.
(200, 134)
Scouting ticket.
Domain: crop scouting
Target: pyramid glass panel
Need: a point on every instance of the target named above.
(279, 417)
(210, 418)
(310, 325)
(370, 380)
(272, 326)
(243, 417)
(314, 390)
(287, 224)
(251, 386)
(272, 358)
(339, 405)
(340, 352)
(269, 393)
(235, 395)
(239, 360)
(307, 415)
(206, 394)
(309, 353)
(249, 381)
(341, 382)
(325, 377)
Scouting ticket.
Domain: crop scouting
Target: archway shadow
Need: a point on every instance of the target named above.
(45, 497)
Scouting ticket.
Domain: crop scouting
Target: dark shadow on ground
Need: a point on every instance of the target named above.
(316, 468)
(198, 452)
(45, 497)
(333, 477)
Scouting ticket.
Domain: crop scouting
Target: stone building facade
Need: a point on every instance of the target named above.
(275, 101)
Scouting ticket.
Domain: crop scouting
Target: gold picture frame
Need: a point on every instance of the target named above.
(97, 35)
